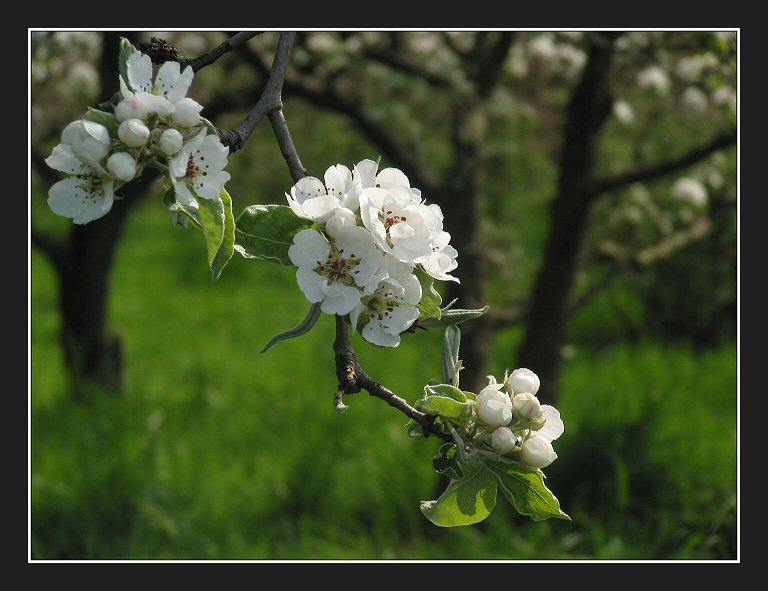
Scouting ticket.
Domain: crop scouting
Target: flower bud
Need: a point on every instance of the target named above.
(133, 133)
(131, 108)
(122, 166)
(187, 112)
(503, 439)
(493, 407)
(170, 142)
(89, 140)
(523, 380)
(526, 405)
(537, 452)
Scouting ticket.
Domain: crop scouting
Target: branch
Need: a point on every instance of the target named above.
(270, 99)
(661, 169)
(227, 46)
(352, 379)
(288, 150)
(160, 51)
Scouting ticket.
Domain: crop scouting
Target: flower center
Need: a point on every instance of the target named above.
(381, 303)
(339, 267)
(389, 219)
(92, 183)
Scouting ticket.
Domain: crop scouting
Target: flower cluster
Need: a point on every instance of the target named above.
(513, 423)
(151, 122)
(373, 231)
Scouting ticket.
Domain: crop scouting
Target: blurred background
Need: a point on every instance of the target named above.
(589, 182)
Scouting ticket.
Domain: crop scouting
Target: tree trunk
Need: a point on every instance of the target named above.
(588, 109)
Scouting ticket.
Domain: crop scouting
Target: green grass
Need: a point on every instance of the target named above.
(215, 451)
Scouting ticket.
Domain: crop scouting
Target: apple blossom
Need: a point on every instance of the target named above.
(388, 306)
(84, 197)
(198, 169)
(334, 272)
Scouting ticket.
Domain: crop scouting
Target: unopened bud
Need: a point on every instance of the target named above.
(170, 142)
(503, 439)
(523, 380)
(131, 108)
(122, 166)
(493, 407)
(133, 133)
(537, 452)
(526, 405)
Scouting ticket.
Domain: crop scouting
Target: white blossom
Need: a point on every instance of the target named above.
(186, 112)
(198, 169)
(86, 195)
(334, 272)
(388, 305)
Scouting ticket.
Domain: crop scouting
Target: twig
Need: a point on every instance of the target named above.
(352, 379)
(227, 46)
(270, 100)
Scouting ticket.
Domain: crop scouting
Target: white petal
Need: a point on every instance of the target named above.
(339, 299)
(309, 246)
(338, 179)
(320, 208)
(155, 104)
(306, 188)
(341, 218)
(553, 427)
(374, 333)
(139, 68)
(170, 83)
(66, 198)
(183, 194)
(213, 152)
(401, 231)
(210, 186)
(63, 159)
(95, 209)
(392, 177)
(364, 173)
(310, 284)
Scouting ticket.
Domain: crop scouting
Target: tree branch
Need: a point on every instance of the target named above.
(227, 46)
(661, 169)
(404, 64)
(160, 51)
(55, 250)
(270, 99)
(352, 379)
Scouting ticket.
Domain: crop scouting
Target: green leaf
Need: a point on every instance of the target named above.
(415, 430)
(450, 359)
(429, 306)
(306, 325)
(169, 200)
(227, 246)
(446, 401)
(446, 461)
(126, 49)
(466, 501)
(218, 229)
(267, 231)
(108, 120)
(525, 489)
(451, 317)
